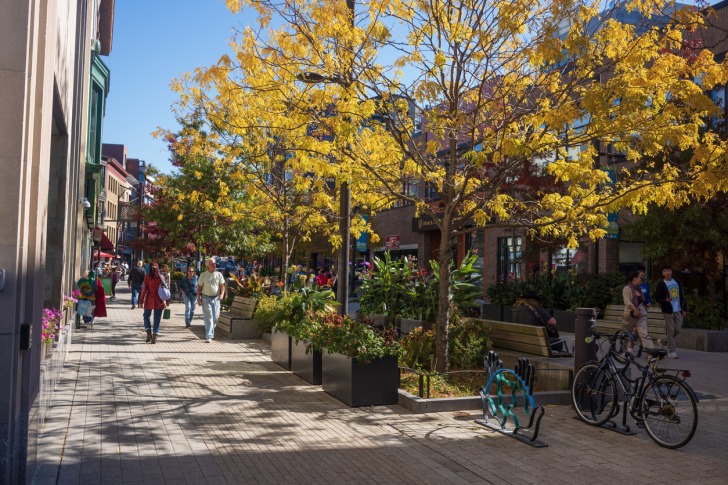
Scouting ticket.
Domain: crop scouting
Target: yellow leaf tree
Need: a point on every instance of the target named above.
(520, 113)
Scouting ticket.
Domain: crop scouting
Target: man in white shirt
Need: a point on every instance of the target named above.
(210, 292)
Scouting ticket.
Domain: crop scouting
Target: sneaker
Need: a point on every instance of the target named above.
(672, 355)
(133, 307)
(207, 340)
(187, 325)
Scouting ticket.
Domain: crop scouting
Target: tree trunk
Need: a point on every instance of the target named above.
(444, 298)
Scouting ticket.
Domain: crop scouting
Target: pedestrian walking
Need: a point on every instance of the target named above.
(135, 282)
(151, 302)
(634, 318)
(115, 277)
(210, 292)
(669, 295)
(188, 286)
(87, 285)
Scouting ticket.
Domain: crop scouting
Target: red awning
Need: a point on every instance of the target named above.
(106, 244)
(106, 255)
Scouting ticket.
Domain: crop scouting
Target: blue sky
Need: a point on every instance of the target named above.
(155, 42)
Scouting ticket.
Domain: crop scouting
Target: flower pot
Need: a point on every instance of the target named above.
(306, 366)
(373, 384)
(280, 349)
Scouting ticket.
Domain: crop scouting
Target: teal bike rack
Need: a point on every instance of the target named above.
(513, 397)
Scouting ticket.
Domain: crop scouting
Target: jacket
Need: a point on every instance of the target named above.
(189, 287)
(149, 297)
(663, 298)
(136, 276)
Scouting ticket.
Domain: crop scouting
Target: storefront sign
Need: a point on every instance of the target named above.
(392, 242)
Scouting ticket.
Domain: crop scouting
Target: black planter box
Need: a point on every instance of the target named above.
(280, 349)
(565, 321)
(306, 366)
(372, 384)
(491, 311)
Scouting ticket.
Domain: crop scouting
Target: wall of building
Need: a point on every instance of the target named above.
(42, 93)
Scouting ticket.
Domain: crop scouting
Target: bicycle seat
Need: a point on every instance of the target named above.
(656, 352)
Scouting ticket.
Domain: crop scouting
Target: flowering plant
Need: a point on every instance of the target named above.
(75, 294)
(343, 335)
(50, 324)
(69, 301)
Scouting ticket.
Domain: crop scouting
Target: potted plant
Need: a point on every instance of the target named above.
(289, 339)
(50, 326)
(359, 363)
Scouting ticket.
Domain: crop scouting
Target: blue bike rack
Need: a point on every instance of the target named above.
(512, 386)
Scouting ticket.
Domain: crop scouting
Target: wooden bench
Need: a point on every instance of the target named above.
(612, 322)
(529, 339)
(237, 323)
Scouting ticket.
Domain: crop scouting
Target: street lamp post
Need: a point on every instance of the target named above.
(342, 277)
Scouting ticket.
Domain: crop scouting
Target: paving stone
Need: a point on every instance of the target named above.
(183, 411)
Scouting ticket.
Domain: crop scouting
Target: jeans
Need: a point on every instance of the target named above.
(210, 312)
(157, 319)
(135, 290)
(190, 303)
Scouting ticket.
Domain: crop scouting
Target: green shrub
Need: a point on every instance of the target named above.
(265, 312)
(396, 288)
(563, 290)
(702, 313)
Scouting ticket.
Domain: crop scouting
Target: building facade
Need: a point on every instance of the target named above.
(45, 73)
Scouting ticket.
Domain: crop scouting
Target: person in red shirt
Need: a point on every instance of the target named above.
(322, 278)
(150, 301)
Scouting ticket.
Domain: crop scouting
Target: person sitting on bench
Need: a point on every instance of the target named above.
(527, 310)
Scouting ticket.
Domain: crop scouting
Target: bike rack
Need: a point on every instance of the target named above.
(496, 412)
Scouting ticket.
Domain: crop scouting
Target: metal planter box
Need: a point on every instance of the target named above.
(372, 384)
(306, 366)
(280, 349)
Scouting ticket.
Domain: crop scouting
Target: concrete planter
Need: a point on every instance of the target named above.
(306, 366)
(280, 349)
(406, 325)
(372, 384)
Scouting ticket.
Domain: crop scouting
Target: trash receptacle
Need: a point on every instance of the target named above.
(585, 345)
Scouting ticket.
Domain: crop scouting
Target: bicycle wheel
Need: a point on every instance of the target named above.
(594, 394)
(670, 411)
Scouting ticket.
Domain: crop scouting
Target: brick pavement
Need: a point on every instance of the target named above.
(183, 411)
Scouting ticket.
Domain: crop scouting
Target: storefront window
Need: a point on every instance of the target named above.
(509, 258)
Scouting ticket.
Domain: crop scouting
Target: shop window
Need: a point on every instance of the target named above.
(509, 258)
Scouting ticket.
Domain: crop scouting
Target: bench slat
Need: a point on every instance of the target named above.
(529, 339)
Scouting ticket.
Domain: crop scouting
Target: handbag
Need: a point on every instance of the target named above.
(163, 291)
(167, 314)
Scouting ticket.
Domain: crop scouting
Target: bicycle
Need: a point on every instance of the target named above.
(664, 404)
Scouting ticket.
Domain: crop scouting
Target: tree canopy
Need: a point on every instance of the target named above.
(541, 115)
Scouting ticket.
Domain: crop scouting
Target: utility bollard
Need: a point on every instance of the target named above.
(585, 345)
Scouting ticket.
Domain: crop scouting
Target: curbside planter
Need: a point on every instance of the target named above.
(406, 325)
(306, 366)
(280, 349)
(372, 384)
(565, 320)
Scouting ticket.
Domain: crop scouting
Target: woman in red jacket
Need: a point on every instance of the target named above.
(149, 300)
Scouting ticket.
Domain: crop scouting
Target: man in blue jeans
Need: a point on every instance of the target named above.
(210, 292)
(135, 281)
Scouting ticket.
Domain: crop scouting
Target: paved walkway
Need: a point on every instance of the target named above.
(183, 411)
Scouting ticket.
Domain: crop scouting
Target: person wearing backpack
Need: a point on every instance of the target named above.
(152, 302)
(669, 295)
